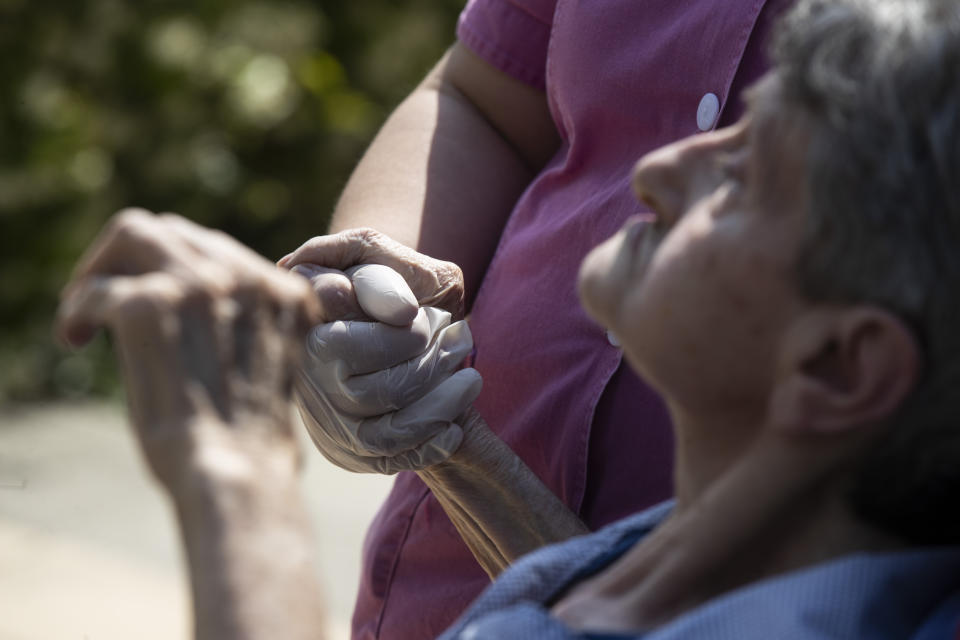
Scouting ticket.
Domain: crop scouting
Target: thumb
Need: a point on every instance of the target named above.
(383, 294)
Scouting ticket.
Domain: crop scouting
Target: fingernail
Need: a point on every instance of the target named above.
(282, 262)
(308, 271)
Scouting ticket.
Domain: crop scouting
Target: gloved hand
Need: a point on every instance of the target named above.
(380, 398)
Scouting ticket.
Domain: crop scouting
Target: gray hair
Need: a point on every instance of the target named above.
(881, 82)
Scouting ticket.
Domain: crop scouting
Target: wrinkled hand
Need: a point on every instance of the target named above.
(324, 259)
(209, 336)
(382, 398)
(374, 397)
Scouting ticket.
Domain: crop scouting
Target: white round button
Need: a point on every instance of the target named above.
(708, 111)
(612, 339)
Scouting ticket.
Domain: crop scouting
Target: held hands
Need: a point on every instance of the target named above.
(209, 336)
(382, 396)
(382, 399)
(434, 283)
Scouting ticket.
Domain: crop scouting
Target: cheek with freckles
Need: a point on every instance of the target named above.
(705, 320)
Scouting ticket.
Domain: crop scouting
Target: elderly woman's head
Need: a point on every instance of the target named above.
(801, 271)
(881, 80)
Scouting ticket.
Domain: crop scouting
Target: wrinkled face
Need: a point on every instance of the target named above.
(700, 292)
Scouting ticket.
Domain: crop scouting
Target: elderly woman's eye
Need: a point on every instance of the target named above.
(731, 166)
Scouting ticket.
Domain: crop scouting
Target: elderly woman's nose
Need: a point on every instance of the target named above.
(666, 179)
(660, 182)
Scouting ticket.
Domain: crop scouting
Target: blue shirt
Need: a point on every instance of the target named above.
(912, 594)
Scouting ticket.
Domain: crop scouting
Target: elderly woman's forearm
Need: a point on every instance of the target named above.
(502, 510)
(249, 550)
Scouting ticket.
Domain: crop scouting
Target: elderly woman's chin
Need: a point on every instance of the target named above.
(599, 287)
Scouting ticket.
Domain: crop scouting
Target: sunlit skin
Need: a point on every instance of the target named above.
(772, 395)
(701, 292)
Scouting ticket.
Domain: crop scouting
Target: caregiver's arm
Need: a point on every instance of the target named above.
(444, 172)
(442, 177)
(499, 506)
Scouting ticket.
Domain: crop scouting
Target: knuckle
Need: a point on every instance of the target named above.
(369, 238)
(368, 234)
(313, 243)
(253, 296)
(452, 271)
(146, 307)
(129, 222)
(209, 280)
(218, 277)
(132, 213)
(171, 219)
(198, 294)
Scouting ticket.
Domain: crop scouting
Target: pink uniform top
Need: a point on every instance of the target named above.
(623, 77)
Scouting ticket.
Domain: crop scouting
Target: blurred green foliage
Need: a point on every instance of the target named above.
(245, 116)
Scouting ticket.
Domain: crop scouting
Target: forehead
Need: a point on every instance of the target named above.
(779, 137)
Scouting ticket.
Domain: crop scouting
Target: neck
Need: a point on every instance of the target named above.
(814, 527)
(776, 508)
(704, 452)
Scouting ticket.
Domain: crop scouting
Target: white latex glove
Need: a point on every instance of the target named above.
(378, 398)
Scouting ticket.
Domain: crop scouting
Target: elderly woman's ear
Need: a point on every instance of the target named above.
(842, 370)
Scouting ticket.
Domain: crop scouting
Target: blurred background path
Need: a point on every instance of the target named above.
(88, 545)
